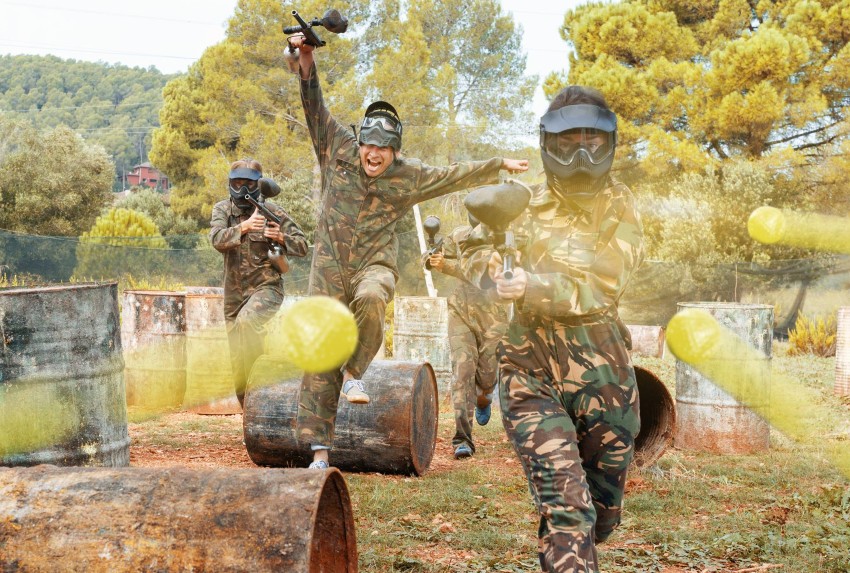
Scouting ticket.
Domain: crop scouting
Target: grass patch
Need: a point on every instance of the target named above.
(689, 513)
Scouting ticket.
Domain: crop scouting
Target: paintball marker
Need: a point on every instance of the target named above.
(431, 225)
(332, 21)
(496, 206)
(276, 256)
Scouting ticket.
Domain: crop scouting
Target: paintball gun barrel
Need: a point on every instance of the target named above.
(431, 225)
(276, 256)
(496, 206)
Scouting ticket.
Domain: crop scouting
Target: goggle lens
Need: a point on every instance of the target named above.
(382, 121)
(565, 145)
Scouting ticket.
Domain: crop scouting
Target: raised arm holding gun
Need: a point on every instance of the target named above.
(365, 189)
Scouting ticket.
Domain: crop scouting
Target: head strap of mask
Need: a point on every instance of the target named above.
(381, 126)
(583, 171)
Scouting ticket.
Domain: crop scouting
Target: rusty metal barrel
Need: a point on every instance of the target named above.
(62, 376)
(710, 419)
(396, 433)
(153, 335)
(842, 353)
(209, 378)
(421, 334)
(657, 418)
(97, 520)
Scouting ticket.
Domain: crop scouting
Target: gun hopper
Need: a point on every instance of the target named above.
(431, 225)
(497, 206)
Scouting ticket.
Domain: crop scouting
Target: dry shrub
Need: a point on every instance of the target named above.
(815, 335)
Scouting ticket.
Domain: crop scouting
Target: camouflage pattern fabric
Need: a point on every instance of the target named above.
(568, 393)
(253, 289)
(477, 321)
(355, 237)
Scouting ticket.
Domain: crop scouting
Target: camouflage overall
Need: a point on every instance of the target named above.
(568, 392)
(356, 247)
(253, 290)
(477, 321)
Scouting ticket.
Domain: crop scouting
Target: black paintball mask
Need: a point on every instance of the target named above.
(242, 182)
(577, 144)
(381, 126)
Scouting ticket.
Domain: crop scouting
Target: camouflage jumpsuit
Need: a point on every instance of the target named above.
(253, 289)
(354, 259)
(477, 322)
(568, 392)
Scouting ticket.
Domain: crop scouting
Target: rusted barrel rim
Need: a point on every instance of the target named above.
(146, 292)
(421, 460)
(658, 418)
(55, 288)
(332, 509)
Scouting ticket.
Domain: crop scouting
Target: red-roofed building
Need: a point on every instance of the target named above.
(146, 175)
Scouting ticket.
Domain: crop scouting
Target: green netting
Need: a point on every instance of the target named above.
(816, 286)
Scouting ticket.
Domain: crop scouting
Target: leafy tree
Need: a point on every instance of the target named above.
(111, 105)
(51, 183)
(121, 241)
(179, 232)
(698, 83)
(463, 84)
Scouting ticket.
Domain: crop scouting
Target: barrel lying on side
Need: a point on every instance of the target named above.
(395, 433)
(175, 519)
(657, 418)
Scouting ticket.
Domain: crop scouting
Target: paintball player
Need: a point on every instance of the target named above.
(366, 189)
(476, 324)
(253, 282)
(567, 386)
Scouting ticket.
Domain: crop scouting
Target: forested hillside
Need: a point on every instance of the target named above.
(111, 105)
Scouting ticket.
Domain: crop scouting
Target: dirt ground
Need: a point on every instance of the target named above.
(160, 443)
(220, 449)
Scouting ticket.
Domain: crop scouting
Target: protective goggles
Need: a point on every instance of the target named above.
(385, 122)
(565, 146)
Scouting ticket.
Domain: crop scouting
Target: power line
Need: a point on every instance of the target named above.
(102, 13)
(98, 52)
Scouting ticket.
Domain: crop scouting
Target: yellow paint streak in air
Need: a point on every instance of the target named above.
(695, 337)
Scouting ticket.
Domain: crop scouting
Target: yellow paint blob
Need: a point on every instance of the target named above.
(693, 335)
(318, 334)
(766, 225)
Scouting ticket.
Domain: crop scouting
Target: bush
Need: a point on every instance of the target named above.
(121, 241)
(813, 336)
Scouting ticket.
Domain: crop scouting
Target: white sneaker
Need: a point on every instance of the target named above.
(355, 392)
(318, 465)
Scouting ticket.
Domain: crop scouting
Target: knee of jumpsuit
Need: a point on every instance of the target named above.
(248, 319)
(369, 295)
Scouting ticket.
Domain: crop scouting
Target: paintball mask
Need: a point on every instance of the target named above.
(577, 144)
(381, 126)
(244, 181)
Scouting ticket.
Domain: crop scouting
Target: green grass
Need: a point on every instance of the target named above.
(691, 512)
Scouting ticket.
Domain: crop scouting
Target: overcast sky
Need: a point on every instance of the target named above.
(172, 34)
